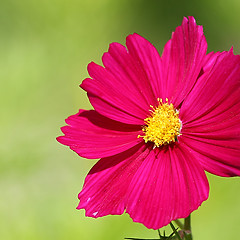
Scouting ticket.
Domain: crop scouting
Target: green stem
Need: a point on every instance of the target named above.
(179, 223)
(187, 223)
(187, 228)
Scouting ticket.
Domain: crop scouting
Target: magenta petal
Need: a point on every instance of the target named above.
(154, 187)
(92, 135)
(209, 61)
(218, 154)
(182, 60)
(211, 116)
(150, 63)
(170, 184)
(121, 89)
(106, 185)
(216, 93)
(114, 102)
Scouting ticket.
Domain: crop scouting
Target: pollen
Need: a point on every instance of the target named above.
(163, 125)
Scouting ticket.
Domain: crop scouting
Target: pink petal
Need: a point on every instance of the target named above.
(128, 71)
(169, 184)
(209, 61)
(155, 187)
(121, 90)
(218, 152)
(105, 187)
(150, 63)
(92, 135)
(216, 91)
(211, 117)
(116, 113)
(182, 60)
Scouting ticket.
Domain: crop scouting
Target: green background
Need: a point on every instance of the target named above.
(45, 47)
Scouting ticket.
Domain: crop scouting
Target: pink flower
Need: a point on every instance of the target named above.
(159, 123)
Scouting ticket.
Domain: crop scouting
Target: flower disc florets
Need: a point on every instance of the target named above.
(163, 125)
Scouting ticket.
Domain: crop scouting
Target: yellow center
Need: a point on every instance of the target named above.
(163, 125)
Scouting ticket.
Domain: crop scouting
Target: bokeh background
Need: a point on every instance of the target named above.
(45, 47)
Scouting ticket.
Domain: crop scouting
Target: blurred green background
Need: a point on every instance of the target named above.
(45, 47)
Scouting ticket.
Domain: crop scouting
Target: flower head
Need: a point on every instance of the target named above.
(163, 126)
(159, 122)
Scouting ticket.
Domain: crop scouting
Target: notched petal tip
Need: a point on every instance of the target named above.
(192, 19)
(231, 50)
(59, 139)
(134, 36)
(90, 65)
(189, 19)
(115, 47)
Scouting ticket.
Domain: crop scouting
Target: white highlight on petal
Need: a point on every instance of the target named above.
(95, 213)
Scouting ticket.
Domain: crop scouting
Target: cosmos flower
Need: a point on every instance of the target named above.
(159, 122)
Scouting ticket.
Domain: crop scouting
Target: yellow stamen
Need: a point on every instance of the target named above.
(163, 125)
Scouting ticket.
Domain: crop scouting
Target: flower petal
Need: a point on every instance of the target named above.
(121, 90)
(216, 91)
(209, 61)
(170, 184)
(105, 187)
(149, 60)
(182, 60)
(211, 117)
(218, 152)
(92, 135)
